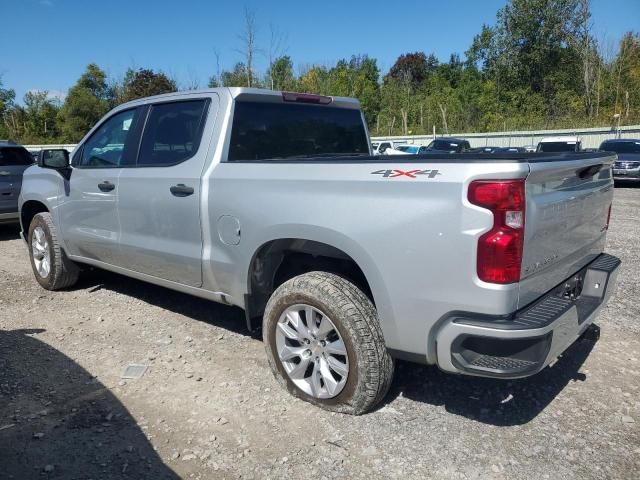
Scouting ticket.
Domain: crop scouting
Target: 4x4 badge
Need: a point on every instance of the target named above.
(406, 173)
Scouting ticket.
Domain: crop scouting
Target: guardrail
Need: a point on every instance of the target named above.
(591, 137)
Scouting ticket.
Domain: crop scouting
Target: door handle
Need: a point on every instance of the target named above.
(4, 174)
(181, 190)
(106, 186)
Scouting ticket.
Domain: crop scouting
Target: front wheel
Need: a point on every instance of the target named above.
(325, 345)
(52, 269)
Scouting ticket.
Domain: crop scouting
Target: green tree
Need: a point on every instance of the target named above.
(86, 102)
(536, 48)
(238, 77)
(144, 83)
(413, 67)
(40, 123)
(314, 80)
(7, 97)
(627, 77)
(281, 74)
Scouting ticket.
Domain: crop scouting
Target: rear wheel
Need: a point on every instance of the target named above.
(52, 269)
(325, 345)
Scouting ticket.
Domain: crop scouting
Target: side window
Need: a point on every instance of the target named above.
(106, 147)
(173, 132)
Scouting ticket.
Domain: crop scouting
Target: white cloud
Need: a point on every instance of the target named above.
(56, 95)
(51, 94)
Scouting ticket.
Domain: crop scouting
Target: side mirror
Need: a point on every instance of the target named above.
(57, 159)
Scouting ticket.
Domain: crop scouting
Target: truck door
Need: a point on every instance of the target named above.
(159, 203)
(88, 211)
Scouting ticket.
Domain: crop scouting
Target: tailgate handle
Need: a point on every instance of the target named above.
(590, 171)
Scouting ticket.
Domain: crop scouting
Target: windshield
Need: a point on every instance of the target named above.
(621, 147)
(443, 145)
(277, 130)
(407, 148)
(557, 147)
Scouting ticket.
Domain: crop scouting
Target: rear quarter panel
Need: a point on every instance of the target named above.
(414, 238)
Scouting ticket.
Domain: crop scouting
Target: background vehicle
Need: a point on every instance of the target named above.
(627, 166)
(14, 160)
(407, 150)
(497, 150)
(448, 144)
(510, 150)
(380, 148)
(346, 260)
(560, 144)
(482, 150)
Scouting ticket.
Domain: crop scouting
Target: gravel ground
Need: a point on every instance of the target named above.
(208, 407)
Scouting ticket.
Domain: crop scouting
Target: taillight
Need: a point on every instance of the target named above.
(500, 249)
(306, 98)
(608, 218)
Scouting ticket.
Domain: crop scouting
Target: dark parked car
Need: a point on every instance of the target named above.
(510, 150)
(449, 145)
(498, 150)
(627, 167)
(14, 160)
(482, 150)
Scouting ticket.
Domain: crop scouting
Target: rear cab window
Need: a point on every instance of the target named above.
(173, 132)
(272, 131)
(15, 156)
(558, 147)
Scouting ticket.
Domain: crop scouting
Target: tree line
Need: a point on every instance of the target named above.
(538, 66)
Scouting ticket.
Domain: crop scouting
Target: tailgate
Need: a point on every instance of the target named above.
(566, 216)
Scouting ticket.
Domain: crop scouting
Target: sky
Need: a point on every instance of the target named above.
(46, 44)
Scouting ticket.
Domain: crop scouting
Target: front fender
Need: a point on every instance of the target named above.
(41, 185)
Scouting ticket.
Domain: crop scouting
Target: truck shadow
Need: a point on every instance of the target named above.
(200, 309)
(9, 231)
(493, 401)
(55, 415)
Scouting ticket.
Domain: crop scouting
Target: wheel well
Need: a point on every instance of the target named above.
(280, 260)
(29, 210)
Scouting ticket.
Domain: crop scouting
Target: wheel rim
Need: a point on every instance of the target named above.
(40, 251)
(312, 351)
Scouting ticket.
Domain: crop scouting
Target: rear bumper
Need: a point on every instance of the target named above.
(523, 343)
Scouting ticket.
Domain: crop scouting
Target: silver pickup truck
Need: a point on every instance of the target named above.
(488, 265)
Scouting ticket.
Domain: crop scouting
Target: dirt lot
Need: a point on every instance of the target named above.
(208, 406)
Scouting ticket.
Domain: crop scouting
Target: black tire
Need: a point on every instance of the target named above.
(63, 273)
(356, 319)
